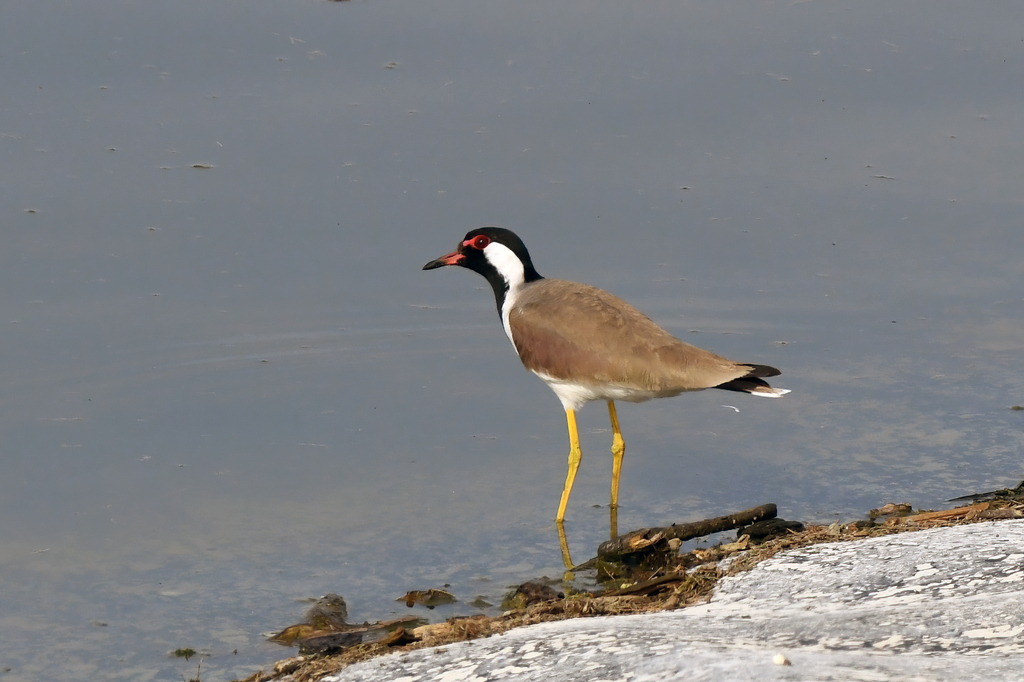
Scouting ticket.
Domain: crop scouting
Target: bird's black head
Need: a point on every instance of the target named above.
(497, 254)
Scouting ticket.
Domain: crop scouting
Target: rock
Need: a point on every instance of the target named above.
(329, 613)
(530, 593)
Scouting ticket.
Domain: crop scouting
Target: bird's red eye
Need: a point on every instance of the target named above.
(481, 241)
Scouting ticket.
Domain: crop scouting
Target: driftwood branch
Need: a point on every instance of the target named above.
(644, 538)
(946, 514)
(645, 587)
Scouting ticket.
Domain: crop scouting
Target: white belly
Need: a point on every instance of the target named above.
(574, 395)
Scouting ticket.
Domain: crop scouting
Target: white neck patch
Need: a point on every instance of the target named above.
(511, 268)
(506, 263)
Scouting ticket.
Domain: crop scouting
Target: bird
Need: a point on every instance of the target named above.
(587, 344)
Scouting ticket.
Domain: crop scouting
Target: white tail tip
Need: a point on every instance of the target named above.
(773, 393)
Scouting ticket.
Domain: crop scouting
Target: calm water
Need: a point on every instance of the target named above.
(229, 388)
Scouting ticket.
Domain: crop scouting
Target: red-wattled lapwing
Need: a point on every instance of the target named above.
(589, 345)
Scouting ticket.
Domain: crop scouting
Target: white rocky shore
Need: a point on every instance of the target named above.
(941, 604)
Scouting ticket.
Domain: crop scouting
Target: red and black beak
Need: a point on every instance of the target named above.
(453, 258)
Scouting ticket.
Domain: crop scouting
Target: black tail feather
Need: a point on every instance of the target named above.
(745, 385)
(752, 383)
(761, 371)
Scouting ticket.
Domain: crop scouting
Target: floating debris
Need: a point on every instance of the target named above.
(429, 598)
(891, 509)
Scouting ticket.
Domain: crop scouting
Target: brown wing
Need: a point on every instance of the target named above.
(576, 332)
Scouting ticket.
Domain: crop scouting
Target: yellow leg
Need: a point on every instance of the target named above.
(564, 544)
(618, 449)
(574, 462)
